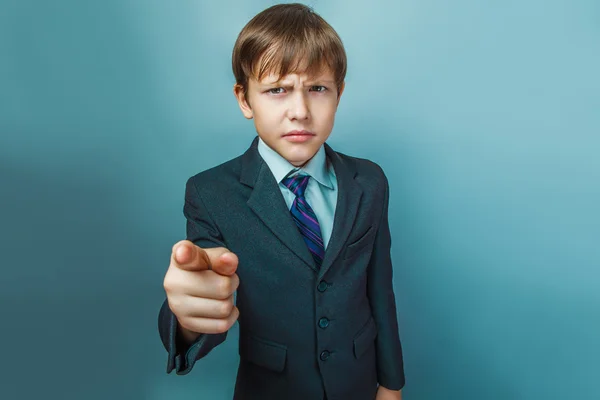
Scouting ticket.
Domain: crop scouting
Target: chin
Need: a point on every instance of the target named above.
(300, 159)
(296, 161)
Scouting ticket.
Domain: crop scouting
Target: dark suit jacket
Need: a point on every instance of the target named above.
(304, 332)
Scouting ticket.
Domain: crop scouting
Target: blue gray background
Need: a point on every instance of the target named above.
(484, 115)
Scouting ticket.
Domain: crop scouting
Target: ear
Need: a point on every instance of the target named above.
(240, 95)
(340, 91)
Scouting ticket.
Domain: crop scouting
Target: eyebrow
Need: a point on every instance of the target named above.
(307, 83)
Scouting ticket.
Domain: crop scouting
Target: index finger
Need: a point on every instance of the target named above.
(190, 257)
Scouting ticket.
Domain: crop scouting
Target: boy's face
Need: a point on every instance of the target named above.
(293, 115)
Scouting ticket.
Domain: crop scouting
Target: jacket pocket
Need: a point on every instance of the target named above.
(263, 352)
(358, 245)
(365, 338)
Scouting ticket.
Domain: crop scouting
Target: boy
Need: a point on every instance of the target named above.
(299, 230)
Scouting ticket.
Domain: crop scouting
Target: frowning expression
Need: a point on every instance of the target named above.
(294, 115)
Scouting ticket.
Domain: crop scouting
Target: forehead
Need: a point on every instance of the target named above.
(322, 74)
(273, 66)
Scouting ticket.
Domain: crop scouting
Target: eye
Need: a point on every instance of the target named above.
(318, 88)
(275, 90)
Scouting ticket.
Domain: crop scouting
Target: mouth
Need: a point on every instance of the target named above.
(298, 136)
(299, 133)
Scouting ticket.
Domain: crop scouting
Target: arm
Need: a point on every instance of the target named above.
(390, 367)
(182, 354)
(185, 347)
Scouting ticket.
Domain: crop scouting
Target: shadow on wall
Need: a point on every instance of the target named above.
(67, 297)
(80, 321)
(87, 213)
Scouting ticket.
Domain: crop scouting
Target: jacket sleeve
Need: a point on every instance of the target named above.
(203, 232)
(390, 366)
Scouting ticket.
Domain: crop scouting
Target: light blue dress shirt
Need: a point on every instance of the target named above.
(321, 191)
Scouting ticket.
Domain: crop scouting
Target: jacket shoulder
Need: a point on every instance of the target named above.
(218, 178)
(366, 168)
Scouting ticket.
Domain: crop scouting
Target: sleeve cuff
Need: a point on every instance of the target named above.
(182, 358)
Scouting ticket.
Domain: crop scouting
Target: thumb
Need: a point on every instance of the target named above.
(222, 261)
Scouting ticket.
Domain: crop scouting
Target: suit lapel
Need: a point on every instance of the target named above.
(269, 205)
(348, 200)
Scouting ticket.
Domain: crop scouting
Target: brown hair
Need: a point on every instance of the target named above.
(286, 38)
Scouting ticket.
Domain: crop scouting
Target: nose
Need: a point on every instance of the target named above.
(298, 107)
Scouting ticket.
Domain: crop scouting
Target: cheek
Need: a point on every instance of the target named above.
(325, 114)
(266, 124)
(268, 115)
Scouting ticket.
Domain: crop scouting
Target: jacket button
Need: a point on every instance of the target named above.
(322, 286)
(324, 355)
(323, 323)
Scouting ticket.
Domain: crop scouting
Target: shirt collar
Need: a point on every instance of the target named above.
(317, 167)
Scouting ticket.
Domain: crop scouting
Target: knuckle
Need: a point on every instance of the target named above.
(226, 308)
(185, 323)
(175, 304)
(193, 324)
(236, 282)
(234, 315)
(171, 285)
(222, 325)
(225, 287)
(168, 282)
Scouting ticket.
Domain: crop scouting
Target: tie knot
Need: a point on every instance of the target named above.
(297, 184)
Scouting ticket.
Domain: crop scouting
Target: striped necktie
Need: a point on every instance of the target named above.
(305, 218)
